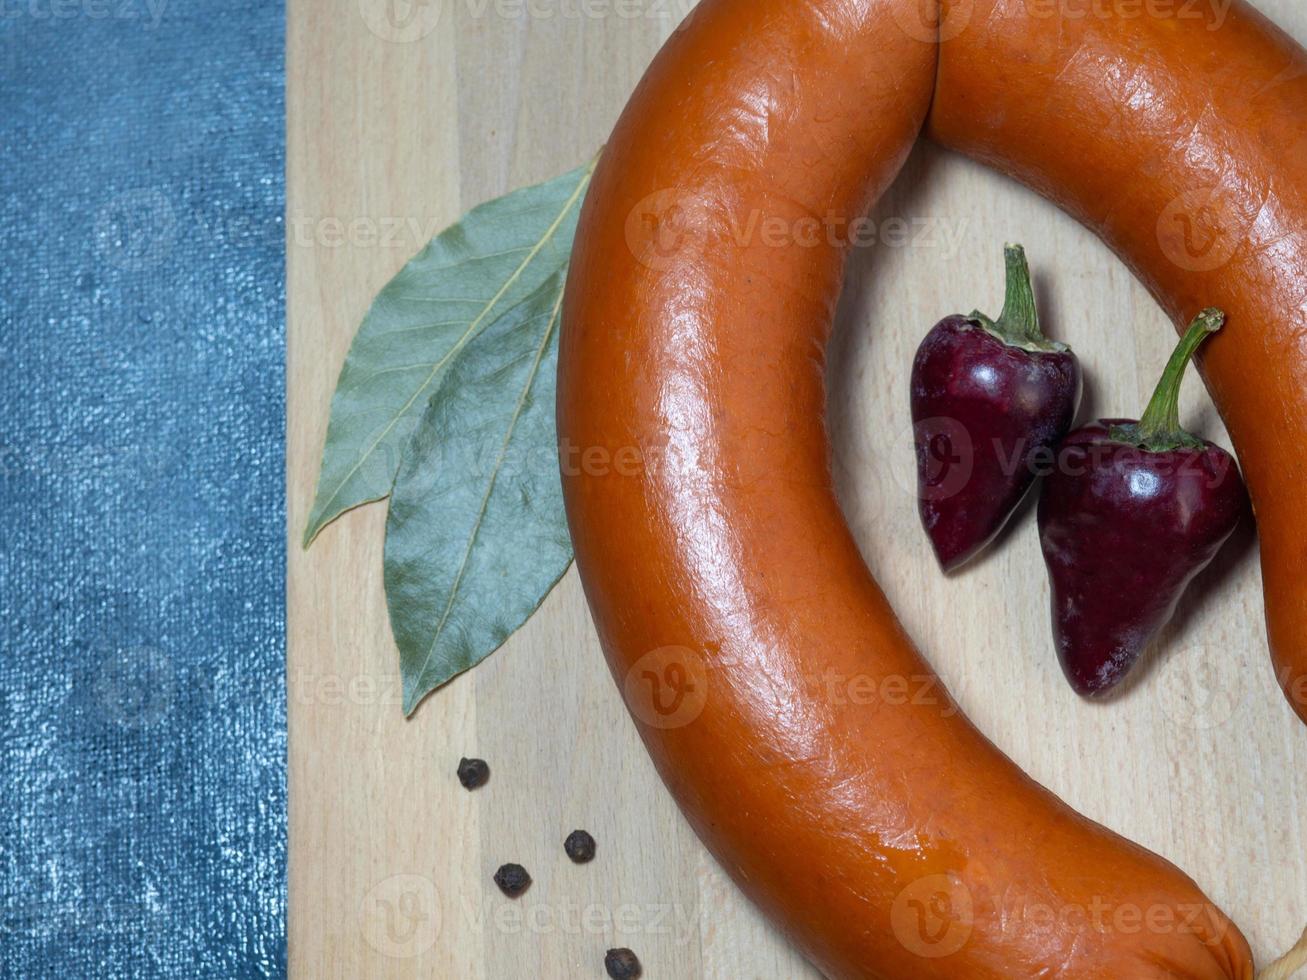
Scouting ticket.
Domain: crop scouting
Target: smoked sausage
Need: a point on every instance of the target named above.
(890, 839)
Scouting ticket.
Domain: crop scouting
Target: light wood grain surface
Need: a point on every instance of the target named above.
(395, 127)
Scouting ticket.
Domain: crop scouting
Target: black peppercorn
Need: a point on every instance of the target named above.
(512, 880)
(622, 964)
(473, 773)
(580, 846)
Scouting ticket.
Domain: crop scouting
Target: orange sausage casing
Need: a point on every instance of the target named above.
(1181, 139)
(891, 839)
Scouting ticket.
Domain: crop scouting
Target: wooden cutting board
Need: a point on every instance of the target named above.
(402, 115)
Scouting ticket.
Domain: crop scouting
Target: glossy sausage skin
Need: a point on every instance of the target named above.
(885, 834)
(1182, 141)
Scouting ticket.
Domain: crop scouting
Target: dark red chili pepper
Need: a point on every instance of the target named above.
(1130, 514)
(988, 398)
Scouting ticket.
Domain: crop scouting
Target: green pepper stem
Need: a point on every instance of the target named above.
(1019, 318)
(1018, 324)
(1159, 429)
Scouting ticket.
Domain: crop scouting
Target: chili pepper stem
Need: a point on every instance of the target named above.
(1159, 429)
(1018, 324)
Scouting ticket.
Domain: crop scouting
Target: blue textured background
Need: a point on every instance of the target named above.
(142, 769)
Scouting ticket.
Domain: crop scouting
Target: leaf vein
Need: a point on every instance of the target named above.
(494, 478)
